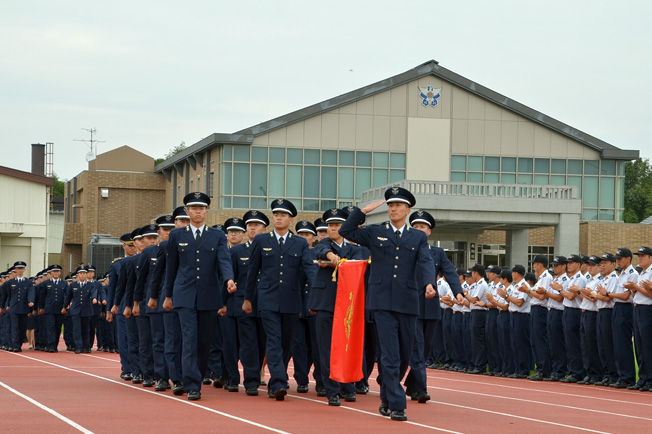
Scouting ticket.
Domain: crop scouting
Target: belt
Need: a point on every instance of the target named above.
(605, 308)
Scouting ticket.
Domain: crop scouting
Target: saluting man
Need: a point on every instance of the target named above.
(198, 264)
(54, 291)
(18, 296)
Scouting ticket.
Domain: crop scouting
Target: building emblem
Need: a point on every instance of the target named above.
(430, 96)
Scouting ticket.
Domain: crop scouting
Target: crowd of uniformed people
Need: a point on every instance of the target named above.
(188, 304)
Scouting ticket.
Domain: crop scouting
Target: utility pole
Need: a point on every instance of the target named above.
(92, 143)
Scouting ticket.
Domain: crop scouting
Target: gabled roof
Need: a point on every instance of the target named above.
(26, 176)
(432, 67)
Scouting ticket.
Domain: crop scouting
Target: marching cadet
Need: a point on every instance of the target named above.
(50, 304)
(322, 229)
(588, 330)
(572, 318)
(429, 311)
(171, 325)
(501, 339)
(605, 306)
(643, 318)
(397, 252)
(623, 319)
(198, 264)
(518, 296)
(467, 324)
(94, 329)
(491, 330)
(556, 342)
(478, 301)
(40, 331)
(18, 298)
(3, 340)
(322, 298)
(277, 260)
(539, 318)
(79, 301)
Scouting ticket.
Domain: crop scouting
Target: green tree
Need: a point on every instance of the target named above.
(58, 188)
(174, 151)
(638, 190)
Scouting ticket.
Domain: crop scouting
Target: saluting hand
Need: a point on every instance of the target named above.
(372, 206)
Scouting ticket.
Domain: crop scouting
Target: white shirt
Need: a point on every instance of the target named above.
(466, 308)
(442, 288)
(588, 304)
(554, 304)
(544, 282)
(610, 282)
(515, 293)
(579, 280)
(628, 275)
(194, 230)
(479, 289)
(639, 298)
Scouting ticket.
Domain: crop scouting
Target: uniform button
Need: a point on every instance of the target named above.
(281, 272)
(397, 257)
(198, 260)
(197, 251)
(395, 266)
(280, 281)
(281, 265)
(197, 277)
(397, 248)
(395, 276)
(197, 268)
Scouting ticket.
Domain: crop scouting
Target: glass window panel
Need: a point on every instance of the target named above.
(607, 167)
(241, 153)
(591, 167)
(576, 181)
(329, 182)
(227, 152)
(508, 164)
(226, 202)
(277, 155)
(310, 181)
(396, 175)
(259, 179)
(458, 177)
(619, 215)
(398, 160)
(293, 181)
(492, 164)
(458, 162)
(347, 158)
(311, 204)
(475, 177)
(362, 181)
(558, 180)
(241, 202)
(558, 166)
(276, 181)
(381, 159)
(295, 156)
(525, 165)
(329, 158)
(590, 214)
(621, 168)
(298, 203)
(345, 183)
(507, 178)
(311, 156)
(620, 192)
(475, 164)
(363, 158)
(259, 203)
(380, 177)
(541, 179)
(607, 192)
(328, 204)
(607, 214)
(226, 178)
(258, 154)
(525, 179)
(541, 165)
(241, 179)
(492, 178)
(590, 192)
(575, 167)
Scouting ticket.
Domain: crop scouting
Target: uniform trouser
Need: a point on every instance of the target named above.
(539, 334)
(324, 328)
(248, 337)
(491, 332)
(123, 346)
(145, 355)
(108, 330)
(416, 380)
(94, 332)
(606, 344)
(132, 344)
(68, 337)
(520, 338)
(53, 323)
(557, 344)
(80, 327)
(458, 339)
(398, 331)
(279, 328)
(622, 324)
(447, 332)
(437, 349)
(158, 345)
(572, 318)
(215, 353)
(468, 339)
(198, 328)
(173, 345)
(643, 342)
(305, 352)
(2, 330)
(41, 332)
(478, 329)
(231, 348)
(370, 351)
(18, 329)
(504, 342)
(590, 355)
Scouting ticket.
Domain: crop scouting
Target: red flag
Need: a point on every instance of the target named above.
(347, 343)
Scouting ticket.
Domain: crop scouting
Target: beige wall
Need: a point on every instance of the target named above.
(123, 159)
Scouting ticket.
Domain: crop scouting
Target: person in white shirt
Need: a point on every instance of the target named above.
(572, 318)
(501, 339)
(605, 313)
(642, 290)
(478, 302)
(539, 318)
(494, 359)
(519, 308)
(588, 329)
(556, 342)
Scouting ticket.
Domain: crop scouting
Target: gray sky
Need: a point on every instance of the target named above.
(152, 74)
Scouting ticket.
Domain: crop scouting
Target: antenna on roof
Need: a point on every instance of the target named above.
(92, 143)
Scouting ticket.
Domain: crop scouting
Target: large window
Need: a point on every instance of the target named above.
(313, 179)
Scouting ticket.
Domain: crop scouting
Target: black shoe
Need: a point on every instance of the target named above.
(77, 351)
(422, 397)
(232, 387)
(399, 415)
(536, 377)
(552, 378)
(178, 388)
(50, 350)
(138, 379)
(162, 385)
(586, 380)
(302, 388)
(126, 376)
(519, 376)
(634, 387)
(384, 409)
(334, 401)
(349, 397)
(106, 350)
(113, 350)
(207, 381)
(569, 379)
(489, 373)
(472, 371)
(618, 385)
(217, 383)
(252, 391)
(194, 395)
(149, 382)
(321, 390)
(362, 390)
(278, 394)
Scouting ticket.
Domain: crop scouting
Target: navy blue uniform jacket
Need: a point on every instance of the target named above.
(114, 273)
(52, 300)
(429, 308)
(393, 277)
(158, 279)
(195, 272)
(146, 268)
(17, 295)
(126, 270)
(81, 297)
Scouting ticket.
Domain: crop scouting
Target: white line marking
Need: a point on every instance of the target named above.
(49, 410)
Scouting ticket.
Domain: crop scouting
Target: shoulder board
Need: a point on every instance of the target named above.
(631, 270)
(563, 279)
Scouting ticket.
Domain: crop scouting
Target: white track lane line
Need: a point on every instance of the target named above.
(48, 409)
(250, 422)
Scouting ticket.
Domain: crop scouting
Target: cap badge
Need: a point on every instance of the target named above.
(280, 201)
(395, 190)
(235, 220)
(333, 211)
(168, 218)
(197, 195)
(254, 213)
(304, 224)
(152, 227)
(420, 213)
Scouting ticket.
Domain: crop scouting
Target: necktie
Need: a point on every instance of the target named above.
(198, 235)
(280, 243)
(398, 236)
